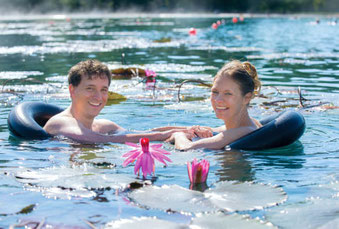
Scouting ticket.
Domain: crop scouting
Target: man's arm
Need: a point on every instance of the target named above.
(165, 128)
(73, 129)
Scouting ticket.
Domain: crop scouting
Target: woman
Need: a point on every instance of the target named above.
(234, 86)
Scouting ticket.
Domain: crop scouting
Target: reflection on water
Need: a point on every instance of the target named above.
(234, 166)
(288, 157)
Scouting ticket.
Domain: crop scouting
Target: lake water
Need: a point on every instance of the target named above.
(58, 183)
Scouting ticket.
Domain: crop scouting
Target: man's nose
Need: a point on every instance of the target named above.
(97, 95)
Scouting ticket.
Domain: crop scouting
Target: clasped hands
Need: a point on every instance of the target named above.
(192, 132)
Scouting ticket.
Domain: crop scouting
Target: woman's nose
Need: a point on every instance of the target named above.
(218, 98)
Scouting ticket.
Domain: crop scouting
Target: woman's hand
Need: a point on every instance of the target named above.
(188, 134)
(201, 132)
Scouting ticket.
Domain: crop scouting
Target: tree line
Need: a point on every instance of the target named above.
(216, 6)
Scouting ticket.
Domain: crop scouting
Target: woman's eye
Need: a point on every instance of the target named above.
(214, 92)
(228, 93)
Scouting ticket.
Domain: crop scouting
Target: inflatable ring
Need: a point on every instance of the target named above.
(278, 130)
(27, 119)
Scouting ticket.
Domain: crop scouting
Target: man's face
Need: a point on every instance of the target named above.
(90, 96)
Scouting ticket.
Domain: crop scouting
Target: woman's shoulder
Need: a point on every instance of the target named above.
(233, 134)
(257, 123)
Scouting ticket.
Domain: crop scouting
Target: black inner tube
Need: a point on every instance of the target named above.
(27, 119)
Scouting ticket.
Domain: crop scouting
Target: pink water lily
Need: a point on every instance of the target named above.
(150, 78)
(149, 73)
(145, 155)
(198, 172)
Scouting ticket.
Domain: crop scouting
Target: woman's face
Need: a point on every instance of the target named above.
(227, 99)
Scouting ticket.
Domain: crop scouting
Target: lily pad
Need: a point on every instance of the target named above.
(234, 196)
(228, 196)
(146, 222)
(219, 220)
(163, 40)
(172, 198)
(312, 213)
(77, 177)
(115, 96)
(62, 193)
(16, 201)
(192, 98)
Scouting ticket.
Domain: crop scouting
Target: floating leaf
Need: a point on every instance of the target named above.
(172, 198)
(27, 209)
(89, 156)
(219, 220)
(192, 98)
(146, 222)
(163, 40)
(115, 96)
(228, 196)
(233, 196)
(62, 193)
(313, 213)
(74, 178)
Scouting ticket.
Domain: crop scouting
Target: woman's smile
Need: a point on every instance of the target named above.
(221, 108)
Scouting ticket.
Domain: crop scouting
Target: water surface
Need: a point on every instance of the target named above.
(65, 184)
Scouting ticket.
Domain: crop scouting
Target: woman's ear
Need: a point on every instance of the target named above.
(248, 97)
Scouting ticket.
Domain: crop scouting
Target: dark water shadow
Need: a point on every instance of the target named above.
(240, 166)
(287, 157)
(234, 166)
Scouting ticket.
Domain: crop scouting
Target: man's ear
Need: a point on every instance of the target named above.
(71, 90)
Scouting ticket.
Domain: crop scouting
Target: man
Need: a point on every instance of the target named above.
(88, 87)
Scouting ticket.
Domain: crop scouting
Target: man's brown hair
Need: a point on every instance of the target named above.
(89, 69)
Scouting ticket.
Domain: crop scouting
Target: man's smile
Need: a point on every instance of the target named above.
(94, 104)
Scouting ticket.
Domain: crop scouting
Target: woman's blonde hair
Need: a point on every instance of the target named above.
(244, 74)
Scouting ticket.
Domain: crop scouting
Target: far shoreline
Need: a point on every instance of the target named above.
(114, 15)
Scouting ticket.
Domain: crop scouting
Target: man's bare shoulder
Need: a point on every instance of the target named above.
(105, 126)
(57, 122)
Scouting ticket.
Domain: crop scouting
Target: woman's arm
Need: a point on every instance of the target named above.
(218, 141)
(219, 129)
